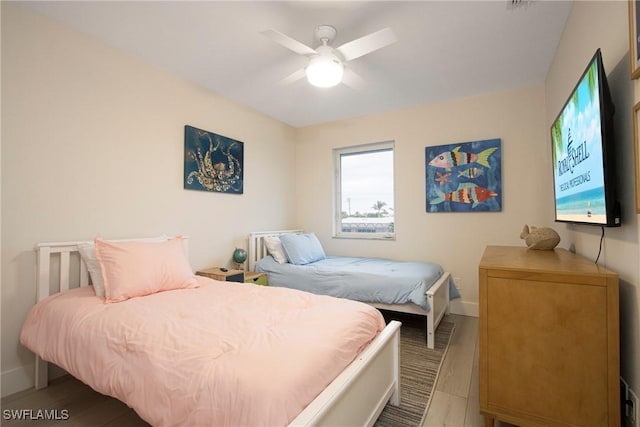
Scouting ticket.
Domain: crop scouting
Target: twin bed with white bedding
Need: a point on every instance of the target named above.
(187, 350)
(294, 259)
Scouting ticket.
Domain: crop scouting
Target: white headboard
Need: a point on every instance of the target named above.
(66, 272)
(59, 268)
(257, 249)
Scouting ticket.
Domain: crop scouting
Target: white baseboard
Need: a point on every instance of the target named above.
(464, 308)
(18, 379)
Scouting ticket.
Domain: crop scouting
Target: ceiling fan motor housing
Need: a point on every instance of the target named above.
(326, 32)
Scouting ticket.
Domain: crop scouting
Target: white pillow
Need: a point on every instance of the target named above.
(88, 254)
(274, 246)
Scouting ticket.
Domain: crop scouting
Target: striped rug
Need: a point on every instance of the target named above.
(418, 370)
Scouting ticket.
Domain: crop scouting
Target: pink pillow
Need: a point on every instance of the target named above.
(133, 269)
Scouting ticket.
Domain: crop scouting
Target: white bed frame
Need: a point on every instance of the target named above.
(355, 397)
(437, 295)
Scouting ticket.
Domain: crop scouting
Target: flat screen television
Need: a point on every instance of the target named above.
(582, 146)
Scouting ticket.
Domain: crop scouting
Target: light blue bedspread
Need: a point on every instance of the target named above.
(360, 279)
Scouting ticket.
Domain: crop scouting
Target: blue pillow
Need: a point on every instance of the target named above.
(302, 248)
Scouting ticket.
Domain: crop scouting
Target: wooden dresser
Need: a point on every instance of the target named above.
(549, 339)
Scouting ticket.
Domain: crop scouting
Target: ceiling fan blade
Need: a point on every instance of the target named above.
(294, 77)
(352, 79)
(288, 42)
(367, 44)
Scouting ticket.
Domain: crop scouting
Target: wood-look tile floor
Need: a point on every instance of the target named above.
(85, 407)
(454, 402)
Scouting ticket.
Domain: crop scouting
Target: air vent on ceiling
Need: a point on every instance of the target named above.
(518, 4)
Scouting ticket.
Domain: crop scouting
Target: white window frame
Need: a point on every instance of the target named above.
(337, 201)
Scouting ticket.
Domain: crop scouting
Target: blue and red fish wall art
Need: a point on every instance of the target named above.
(464, 177)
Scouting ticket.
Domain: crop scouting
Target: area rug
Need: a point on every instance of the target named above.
(419, 368)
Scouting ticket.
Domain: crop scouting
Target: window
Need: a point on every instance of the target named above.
(364, 191)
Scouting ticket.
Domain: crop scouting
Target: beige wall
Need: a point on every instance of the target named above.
(603, 25)
(456, 240)
(92, 142)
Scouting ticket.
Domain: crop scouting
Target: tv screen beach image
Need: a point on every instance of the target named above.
(576, 137)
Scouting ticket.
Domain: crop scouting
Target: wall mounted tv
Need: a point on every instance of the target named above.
(582, 146)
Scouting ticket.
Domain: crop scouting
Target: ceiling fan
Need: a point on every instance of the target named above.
(326, 64)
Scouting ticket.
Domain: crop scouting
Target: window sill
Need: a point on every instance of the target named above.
(365, 236)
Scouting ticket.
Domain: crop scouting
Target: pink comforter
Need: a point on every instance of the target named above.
(221, 354)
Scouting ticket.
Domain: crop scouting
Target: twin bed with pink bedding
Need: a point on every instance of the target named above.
(211, 353)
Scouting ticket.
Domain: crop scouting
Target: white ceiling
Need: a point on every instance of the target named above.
(445, 49)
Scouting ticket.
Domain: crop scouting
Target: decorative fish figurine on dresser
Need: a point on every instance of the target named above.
(542, 238)
(451, 159)
(466, 193)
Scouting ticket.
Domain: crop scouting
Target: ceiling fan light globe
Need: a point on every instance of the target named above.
(323, 71)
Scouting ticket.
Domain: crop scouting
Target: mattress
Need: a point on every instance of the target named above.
(221, 354)
(360, 279)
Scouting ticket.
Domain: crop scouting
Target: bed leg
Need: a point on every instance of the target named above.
(42, 373)
(426, 330)
(395, 397)
(431, 331)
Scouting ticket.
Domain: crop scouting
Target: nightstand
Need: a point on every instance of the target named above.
(256, 278)
(226, 276)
